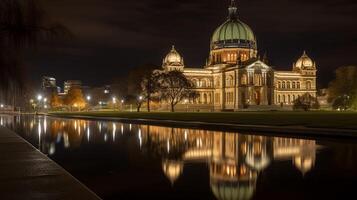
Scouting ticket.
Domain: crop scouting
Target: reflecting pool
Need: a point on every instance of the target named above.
(127, 161)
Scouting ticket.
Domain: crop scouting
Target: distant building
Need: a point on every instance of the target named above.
(71, 84)
(49, 85)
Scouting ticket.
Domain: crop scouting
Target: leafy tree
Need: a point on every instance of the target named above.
(175, 87)
(306, 102)
(75, 98)
(150, 86)
(55, 101)
(343, 90)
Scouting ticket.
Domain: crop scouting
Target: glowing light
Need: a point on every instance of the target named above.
(168, 146)
(89, 98)
(88, 134)
(140, 138)
(39, 97)
(114, 130)
(2, 105)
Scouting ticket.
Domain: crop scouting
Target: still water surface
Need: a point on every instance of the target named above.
(127, 161)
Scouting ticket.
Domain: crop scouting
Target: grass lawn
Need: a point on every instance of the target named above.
(318, 119)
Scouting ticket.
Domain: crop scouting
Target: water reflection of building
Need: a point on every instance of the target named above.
(235, 160)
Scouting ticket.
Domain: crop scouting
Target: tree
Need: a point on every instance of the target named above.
(343, 90)
(306, 102)
(175, 87)
(22, 24)
(75, 98)
(55, 101)
(150, 85)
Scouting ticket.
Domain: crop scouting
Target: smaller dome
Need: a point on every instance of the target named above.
(304, 62)
(172, 169)
(173, 58)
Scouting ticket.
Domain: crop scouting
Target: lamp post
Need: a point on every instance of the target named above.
(122, 104)
(39, 99)
(114, 99)
(88, 101)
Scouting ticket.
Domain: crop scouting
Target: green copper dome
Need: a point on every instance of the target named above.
(233, 33)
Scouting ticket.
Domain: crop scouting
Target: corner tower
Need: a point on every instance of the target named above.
(233, 41)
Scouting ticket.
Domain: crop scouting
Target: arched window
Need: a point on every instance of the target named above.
(279, 84)
(293, 97)
(294, 85)
(284, 100)
(279, 100)
(289, 98)
(308, 85)
(205, 98)
(229, 81)
(288, 84)
(203, 83)
(283, 86)
(298, 85)
(217, 83)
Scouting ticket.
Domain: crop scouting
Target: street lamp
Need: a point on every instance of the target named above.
(2, 105)
(114, 99)
(45, 100)
(122, 104)
(39, 97)
(140, 98)
(89, 98)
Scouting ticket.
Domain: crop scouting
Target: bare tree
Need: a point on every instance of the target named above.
(175, 87)
(22, 24)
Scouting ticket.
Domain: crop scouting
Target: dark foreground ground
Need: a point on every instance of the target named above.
(26, 173)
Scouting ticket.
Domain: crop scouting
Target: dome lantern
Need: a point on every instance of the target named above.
(233, 33)
(304, 62)
(173, 60)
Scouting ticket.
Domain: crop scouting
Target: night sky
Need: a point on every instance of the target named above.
(114, 36)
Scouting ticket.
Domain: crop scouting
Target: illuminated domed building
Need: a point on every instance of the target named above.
(235, 77)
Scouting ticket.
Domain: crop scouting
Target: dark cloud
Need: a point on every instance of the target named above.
(112, 36)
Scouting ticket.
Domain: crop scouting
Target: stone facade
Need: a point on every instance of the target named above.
(234, 77)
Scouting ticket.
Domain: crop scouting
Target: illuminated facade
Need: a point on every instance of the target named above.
(234, 77)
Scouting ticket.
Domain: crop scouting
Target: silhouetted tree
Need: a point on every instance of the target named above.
(343, 90)
(150, 85)
(175, 87)
(306, 102)
(23, 23)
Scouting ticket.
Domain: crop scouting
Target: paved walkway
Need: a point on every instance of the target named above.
(26, 173)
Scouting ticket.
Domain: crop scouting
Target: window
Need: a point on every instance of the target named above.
(229, 81)
(283, 85)
(294, 85)
(217, 98)
(308, 85)
(244, 79)
(279, 100)
(288, 85)
(298, 85)
(279, 85)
